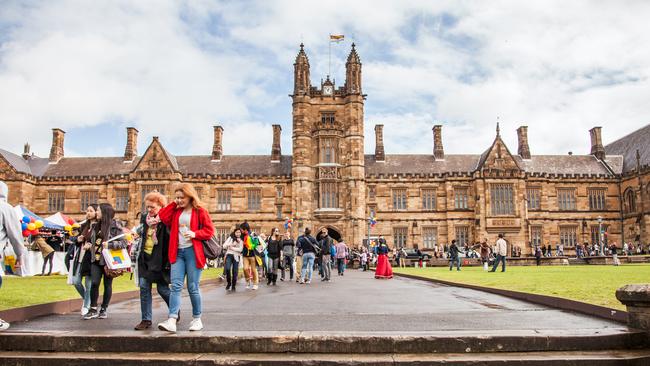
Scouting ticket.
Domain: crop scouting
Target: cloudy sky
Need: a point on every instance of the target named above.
(176, 68)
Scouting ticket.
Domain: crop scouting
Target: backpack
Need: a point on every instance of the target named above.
(333, 250)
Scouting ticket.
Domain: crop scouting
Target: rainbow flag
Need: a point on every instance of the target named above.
(250, 243)
(337, 37)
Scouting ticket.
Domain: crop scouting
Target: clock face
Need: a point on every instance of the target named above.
(327, 90)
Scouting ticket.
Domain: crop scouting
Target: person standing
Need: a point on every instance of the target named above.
(485, 254)
(309, 247)
(81, 265)
(538, 255)
(233, 248)
(10, 232)
(274, 251)
(384, 269)
(402, 257)
(326, 244)
(152, 257)
(189, 224)
(342, 254)
(288, 255)
(100, 239)
(454, 257)
(501, 252)
(46, 251)
(614, 250)
(250, 256)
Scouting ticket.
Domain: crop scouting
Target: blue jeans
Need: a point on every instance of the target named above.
(185, 265)
(340, 262)
(83, 290)
(501, 258)
(307, 266)
(453, 261)
(232, 270)
(146, 300)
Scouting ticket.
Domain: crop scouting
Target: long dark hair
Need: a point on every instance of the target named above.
(85, 227)
(105, 223)
(233, 237)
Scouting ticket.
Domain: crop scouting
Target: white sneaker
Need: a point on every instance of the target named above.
(248, 285)
(3, 325)
(168, 325)
(196, 324)
(84, 311)
(254, 287)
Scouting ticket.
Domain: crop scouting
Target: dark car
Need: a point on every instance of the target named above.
(413, 255)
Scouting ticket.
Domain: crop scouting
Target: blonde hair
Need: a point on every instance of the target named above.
(189, 191)
(156, 197)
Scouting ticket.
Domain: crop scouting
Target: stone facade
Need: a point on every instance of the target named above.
(328, 181)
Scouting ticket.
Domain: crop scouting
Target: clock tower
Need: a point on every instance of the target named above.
(328, 172)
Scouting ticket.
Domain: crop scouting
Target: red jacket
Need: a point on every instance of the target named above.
(200, 217)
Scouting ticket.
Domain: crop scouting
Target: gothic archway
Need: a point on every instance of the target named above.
(332, 232)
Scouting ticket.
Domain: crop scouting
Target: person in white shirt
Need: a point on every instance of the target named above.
(501, 250)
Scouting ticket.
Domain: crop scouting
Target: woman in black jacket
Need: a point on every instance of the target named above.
(104, 230)
(152, 257)
(274, 250)
(81, 258)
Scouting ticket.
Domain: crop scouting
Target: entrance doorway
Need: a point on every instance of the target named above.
(333, 233)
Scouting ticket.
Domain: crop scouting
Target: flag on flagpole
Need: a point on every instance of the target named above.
(337, 38)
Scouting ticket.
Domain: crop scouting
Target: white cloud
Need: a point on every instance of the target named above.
(175, 68)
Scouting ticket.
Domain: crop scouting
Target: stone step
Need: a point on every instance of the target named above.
(577, 358)
(321, 342)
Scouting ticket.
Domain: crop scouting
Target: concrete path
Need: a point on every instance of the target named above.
(353, 303)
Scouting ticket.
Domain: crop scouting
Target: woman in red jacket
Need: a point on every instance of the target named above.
(189, 224)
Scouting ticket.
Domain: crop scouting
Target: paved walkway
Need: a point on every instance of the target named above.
(353, 303)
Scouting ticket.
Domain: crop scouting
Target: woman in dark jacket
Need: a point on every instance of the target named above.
(81, 258)
(152, 257)
(104, 230)
(274, 250)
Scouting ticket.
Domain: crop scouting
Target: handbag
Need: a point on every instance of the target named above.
(112, 273)
(211, 247)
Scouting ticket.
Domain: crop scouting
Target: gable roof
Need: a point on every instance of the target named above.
(628, 145)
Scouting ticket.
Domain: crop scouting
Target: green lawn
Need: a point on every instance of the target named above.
(590, 283)
(25, 291)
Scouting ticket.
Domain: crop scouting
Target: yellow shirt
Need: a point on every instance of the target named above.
(148, 243)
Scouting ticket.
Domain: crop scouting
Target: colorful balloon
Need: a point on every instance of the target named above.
(70, 221)
(26, 219)
(67, 227)
(31, 219)
(31, 226)
(39, 224)
(76, 226)
(24, 226)
(26, 233)
(34, 232)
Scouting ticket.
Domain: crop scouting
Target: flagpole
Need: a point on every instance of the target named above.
(329, 62)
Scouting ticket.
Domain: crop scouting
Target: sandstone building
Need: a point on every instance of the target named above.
(420, 200)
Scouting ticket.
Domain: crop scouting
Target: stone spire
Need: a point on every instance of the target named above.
(353, 73)
(301, 83)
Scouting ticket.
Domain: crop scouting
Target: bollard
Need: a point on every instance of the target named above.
(637, 300)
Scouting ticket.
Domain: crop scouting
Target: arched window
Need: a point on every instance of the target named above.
(629, 201)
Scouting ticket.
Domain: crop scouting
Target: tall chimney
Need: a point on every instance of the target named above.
(379, 143)
(276, 150)
(131, 150)
(56, 152)
(217, 148)
(597, 148)
(26, 153)
(522, 135)
(438, 150)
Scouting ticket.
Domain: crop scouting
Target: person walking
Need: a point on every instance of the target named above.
(288, 255)
(326, 243)
(501, 252)
(189, 224)
(614, 250)
(402, 257)
(233, 248)
(342, 254)
(46, 251)
(454, 257)
(274, 251)
(384, 269)
(250, 256)
(152, 257)
(485, 254)
(100, 239)
(10, 232)
(538, 255)
(364, 259)
(309, 247)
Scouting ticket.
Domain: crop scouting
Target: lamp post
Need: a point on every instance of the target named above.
(600, 235)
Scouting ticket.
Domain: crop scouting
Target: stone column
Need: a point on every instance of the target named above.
(276, 150)
(438, 150)
(131, 150)
(379, 143)
(522, 137)
(637, 300)
(217, 148)
(56, 151)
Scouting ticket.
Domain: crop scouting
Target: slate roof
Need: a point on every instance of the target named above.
(628, 145)
(251, 165)
(563, 164)
(421, 164)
